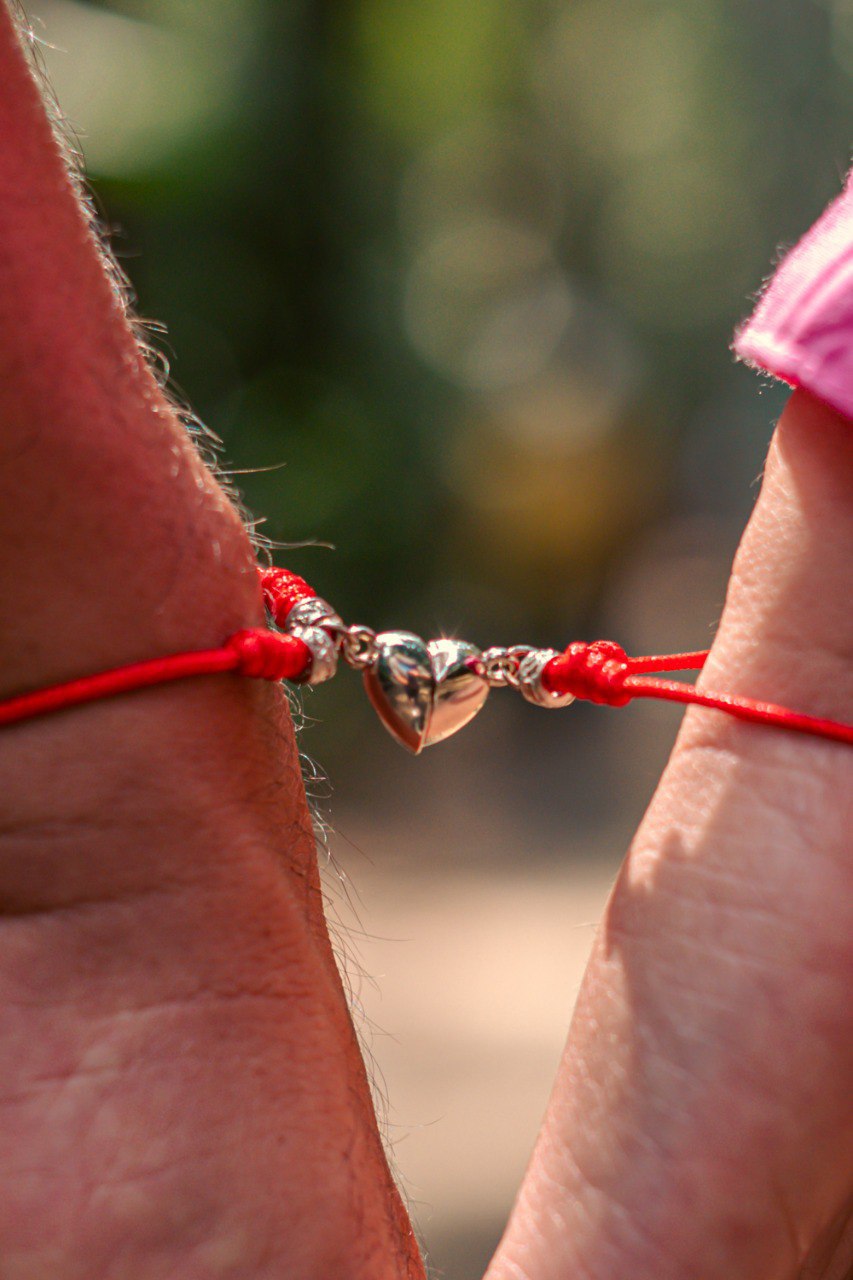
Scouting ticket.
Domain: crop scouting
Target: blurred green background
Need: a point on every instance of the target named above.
(455, 284)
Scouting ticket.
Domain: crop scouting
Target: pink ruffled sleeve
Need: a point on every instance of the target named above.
(802, 329)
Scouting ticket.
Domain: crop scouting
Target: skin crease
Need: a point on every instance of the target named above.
(181, 1090)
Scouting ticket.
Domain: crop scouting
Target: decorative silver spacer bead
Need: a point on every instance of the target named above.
(529, 680)
(311, 613)
(324, 652)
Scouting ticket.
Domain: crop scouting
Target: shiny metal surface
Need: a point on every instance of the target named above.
(324, 653)
(358, 646)
(459, 691)
(422, 692)
(312, 612)
(530, 680)
(400, 685)
(499, 665)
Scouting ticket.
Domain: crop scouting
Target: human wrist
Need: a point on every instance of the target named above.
(162, 953)
(206, 766)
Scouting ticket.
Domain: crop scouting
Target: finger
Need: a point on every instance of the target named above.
(115, 541)
(701, 1121)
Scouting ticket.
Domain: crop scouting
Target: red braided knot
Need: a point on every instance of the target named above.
(282, 590)
(596, 672)
(266, 655)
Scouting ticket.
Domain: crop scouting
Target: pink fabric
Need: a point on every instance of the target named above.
(802, 328)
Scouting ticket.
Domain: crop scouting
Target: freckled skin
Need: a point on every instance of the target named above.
(181, 1092)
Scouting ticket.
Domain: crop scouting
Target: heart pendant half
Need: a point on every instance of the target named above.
(423, 693)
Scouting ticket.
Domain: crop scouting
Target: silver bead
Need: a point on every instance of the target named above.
(313, 611)
(529, 680)
(324, 653)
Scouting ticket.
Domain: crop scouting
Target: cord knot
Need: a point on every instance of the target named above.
(266, 655)
(595, 672)
(282, 590)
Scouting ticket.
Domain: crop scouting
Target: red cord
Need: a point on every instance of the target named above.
(254, 652)
(670, 662)
(600, 672)
(742, 708)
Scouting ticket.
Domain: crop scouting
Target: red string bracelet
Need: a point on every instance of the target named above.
(254, 652)
(423, 692)
(602, 672)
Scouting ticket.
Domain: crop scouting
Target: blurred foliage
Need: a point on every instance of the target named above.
(469, 272)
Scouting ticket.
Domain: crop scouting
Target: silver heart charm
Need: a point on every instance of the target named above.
(423, 693)
(459, 692)
(400, 685)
